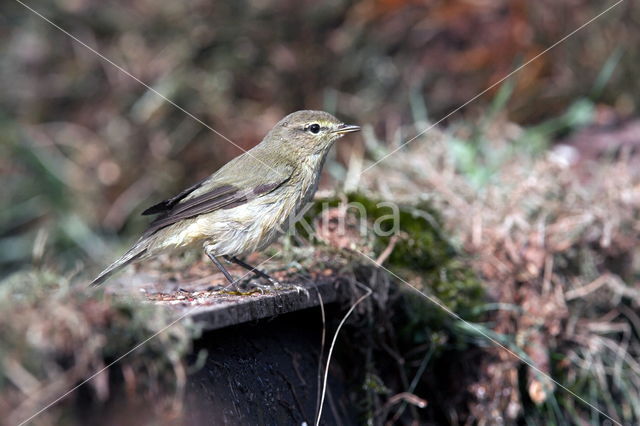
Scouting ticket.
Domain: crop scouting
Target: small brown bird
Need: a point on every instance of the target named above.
(246, 204)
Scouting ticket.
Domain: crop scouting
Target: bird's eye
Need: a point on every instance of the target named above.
(314, 128)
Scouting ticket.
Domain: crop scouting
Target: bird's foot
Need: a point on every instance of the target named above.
(298, 288)
(251, 286)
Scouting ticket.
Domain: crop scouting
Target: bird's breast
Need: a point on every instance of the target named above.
(253, 225)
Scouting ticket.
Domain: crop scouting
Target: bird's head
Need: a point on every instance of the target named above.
(306, 132)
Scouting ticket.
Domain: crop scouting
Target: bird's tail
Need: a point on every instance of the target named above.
(135, 253)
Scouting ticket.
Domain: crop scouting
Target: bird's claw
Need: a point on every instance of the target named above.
(298, 288)
(249, 286)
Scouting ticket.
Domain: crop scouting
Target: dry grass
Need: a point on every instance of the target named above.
(556, 243)
(76, 131)
(55, 335)
(553, 240)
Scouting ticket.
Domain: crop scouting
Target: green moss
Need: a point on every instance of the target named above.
(421, 249)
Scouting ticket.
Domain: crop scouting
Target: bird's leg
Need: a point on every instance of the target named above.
(221, 267)
(274, 283)
(250, 268)
(227, 275)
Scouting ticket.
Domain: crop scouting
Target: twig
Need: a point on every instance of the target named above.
(412, 387)
(407, 398)
(614, 282)
(388, 250)
(581, 292)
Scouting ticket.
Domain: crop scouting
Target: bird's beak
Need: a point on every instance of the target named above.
(346, 128)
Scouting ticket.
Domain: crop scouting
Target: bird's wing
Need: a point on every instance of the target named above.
(168, 204)
(228, 188)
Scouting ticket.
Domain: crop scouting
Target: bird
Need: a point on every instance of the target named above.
(248, 203)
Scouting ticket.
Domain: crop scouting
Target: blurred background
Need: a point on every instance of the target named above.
(532, 190)
(84, 147)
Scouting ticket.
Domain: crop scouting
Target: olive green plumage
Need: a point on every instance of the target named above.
(247, 203)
